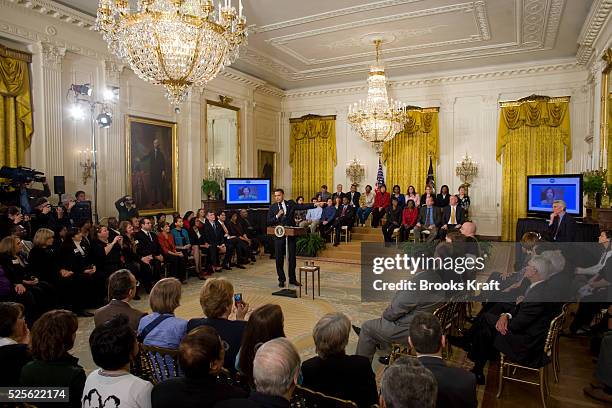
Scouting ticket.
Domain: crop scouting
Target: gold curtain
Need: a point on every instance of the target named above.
(407, 154)
(15, 107)
(534, 138)
(312, 154)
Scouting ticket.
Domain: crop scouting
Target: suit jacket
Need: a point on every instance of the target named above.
(13, 357)
(456, 387)
(349, 214)
(117, 307)
(214, 236)
(406, 302)
(529, 326)
(288, 219)
(423, 216)
(567, 229)
(459, 215)
(336, 194)
(146, 246)
(354, 198)
(346, 377)
(442, 201)
(230, 331)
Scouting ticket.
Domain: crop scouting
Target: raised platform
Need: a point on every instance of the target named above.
(350, 252)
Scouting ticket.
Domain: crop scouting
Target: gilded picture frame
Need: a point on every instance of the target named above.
(152, 164)
(266, 165)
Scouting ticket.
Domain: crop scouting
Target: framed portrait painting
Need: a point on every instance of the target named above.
(152, 171)
(266, 165)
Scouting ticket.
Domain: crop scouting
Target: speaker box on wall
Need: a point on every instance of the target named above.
(59, 185)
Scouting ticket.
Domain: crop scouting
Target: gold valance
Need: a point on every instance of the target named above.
(535, 112)
(420, 120)
(313, 127)
(15, 54)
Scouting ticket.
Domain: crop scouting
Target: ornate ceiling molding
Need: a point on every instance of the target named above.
(63, 13)
(599, 14)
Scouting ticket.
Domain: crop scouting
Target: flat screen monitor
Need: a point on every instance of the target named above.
(543, 190)
(248, 191)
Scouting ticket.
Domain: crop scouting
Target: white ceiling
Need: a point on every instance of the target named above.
(302, 43)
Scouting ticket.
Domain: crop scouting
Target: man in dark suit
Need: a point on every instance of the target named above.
(456, 387)
(346, 214)
(354, 196)
(121, 290)
(149, 252)
(282, 213)
(157, 173)
(429, 219)
(453, 216)
(520, 330)
(213, 235)
(561, 225)
(338, 193)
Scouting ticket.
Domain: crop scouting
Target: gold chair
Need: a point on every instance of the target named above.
(158, 364)
(307, 398)
(555, 347)
(505, 363)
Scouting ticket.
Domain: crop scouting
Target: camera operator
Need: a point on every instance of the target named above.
(10, 219)
(42, 215)
(79, 209)
(126, 208)
(24, 195)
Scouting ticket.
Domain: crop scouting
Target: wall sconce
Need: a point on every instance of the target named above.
(86, 163)
(355, 171)
(466, 169)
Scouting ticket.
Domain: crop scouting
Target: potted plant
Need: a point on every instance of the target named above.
(211, 189)
(593, 184)
(309, 245)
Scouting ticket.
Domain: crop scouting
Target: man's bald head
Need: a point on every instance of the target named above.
(468, 229)
(276, 368)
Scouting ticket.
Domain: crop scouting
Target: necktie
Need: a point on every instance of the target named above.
(149, 236)
(558, 227)
(429, 216)
(452, 217)
(343, 211)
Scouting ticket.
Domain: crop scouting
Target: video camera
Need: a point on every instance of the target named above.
(19, 175)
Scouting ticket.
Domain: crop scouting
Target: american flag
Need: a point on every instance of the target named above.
(430, 176)
(380, 176)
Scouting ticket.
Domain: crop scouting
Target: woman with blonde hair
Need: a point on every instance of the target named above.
(162, 328)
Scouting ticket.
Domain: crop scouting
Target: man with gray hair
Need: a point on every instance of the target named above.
(408, 384)
(276, 369)
(520, 330)
(561, 225)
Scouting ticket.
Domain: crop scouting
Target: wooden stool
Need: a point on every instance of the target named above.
(307, 270)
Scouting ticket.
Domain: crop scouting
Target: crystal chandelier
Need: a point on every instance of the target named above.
(377, 119)
(173, 43)
(466, 169)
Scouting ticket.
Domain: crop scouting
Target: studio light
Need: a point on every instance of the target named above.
(77, 112)
(84, 89)
(111, 93)
(104, 120)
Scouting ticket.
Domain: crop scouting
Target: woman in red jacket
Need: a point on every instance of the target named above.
(175, 259)
(382, 201)
(410, 216)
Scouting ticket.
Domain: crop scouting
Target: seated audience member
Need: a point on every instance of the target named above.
(180, 234)
(113, 227)
(149, 253)
(429, 220)
(42, 216)
(265, 323)
(344, 218)
(410, 215)
(327, 218)
(313, 217)
(407, 384)
(394, 219)
(299, 215)
(197, 239)
(160, 218)
(85, 227)
(13, 217)
(235, 228)
(275, 370)
(121, 290)
(324, 193)
(42, 261)
(452, 216)
(161, 328)
(456, 387)
(113, 347)
(213, 233)
(397, 193)
(354, 196)
(173, 258)
(464, 200)
(106, 253)
(233, 244)
(602, 389)
(429, 192)
(201, 215)
(52, 338)
(364, 210)
(201, 356)
(382, 201)
(217, 301)
(443, 198)
(128, 249)
(520, 331)
(254, 234)
(126, 208)
(411, 194)
(561, 225)
(187, 219)
(14, 343)
(394, 324)
(334, 373)
(135, 221)
(338, 193)
(36, 296)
